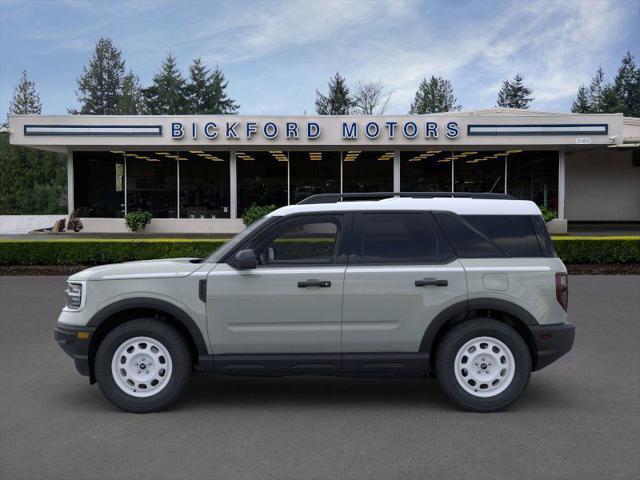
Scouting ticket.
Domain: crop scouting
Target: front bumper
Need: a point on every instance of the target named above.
(75, 343)
(552, 342)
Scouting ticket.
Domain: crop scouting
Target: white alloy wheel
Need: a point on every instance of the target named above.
(141, 367)
(484, 367)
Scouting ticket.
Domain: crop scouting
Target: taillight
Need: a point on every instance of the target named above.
(562, 289)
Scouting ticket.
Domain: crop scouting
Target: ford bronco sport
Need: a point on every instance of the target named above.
(462, 287)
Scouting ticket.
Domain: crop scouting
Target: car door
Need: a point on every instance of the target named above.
(290, 304)
(401, 274)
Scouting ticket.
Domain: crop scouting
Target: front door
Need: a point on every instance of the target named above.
(289, 305)
(401, 274)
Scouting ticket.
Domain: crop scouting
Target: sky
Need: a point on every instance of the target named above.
(275, 54)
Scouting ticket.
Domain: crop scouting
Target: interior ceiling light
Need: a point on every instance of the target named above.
(434, 151)
(152, 160)
(444, 160)
(514, 151)
(116, 151)
(162, 153)
(500, 154)
(141, 157)
(196, 151)
(131, 154)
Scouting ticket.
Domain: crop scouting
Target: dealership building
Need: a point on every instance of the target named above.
(200, 173)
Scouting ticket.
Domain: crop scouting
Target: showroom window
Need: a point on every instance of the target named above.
(313, 172)
(425, 171)
(204, 184)
(99, 184)
(262, 179)
(152, 183)
(365, 171)
(479, 171)
(533, 175)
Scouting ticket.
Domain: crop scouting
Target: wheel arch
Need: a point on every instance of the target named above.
(123, 310)
(502, 310)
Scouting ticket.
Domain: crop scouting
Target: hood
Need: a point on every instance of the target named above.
(146, 269)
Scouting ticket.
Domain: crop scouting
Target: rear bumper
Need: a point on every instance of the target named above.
(75, 343)
(552, 342)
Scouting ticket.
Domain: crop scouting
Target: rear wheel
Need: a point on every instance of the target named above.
(143, 365)
(483, 365)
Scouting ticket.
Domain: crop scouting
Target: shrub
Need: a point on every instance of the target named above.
(75, 251)
(547, 213)
(74, 223)
(137, 220)
(256, 212)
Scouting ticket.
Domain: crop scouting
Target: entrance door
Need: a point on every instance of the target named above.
(401, 274)
(289, 305)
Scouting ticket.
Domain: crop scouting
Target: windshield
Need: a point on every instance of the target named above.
(236, 240)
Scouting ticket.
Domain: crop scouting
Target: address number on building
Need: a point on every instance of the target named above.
(583, 141)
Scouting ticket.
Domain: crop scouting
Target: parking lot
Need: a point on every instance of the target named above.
(579, 418)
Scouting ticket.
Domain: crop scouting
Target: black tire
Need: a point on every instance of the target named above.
(177, 348)
(455, 339)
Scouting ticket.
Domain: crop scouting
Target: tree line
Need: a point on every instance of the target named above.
(34, 182)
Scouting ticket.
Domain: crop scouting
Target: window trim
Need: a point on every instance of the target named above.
(358, 232)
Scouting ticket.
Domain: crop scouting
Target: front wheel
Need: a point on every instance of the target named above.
(143, 365)
(483, 365)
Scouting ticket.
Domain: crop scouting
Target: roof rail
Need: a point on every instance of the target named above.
(339, 197)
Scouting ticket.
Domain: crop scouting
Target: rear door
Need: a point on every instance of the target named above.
(401, 274)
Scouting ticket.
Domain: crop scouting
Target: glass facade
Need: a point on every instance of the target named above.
(99, 184)
(479, 171)
(426, 171)
(533, 175)
(197, 184)
(365, 171)
(262, 179)
(152, 184)
(313, 172)
(204, 184)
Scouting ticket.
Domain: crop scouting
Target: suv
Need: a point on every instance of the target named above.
(468, 290)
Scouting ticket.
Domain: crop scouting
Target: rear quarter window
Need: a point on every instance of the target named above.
(490, 236)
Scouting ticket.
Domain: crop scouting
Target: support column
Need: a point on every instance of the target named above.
(396, 170)
(233, 185)
(70, 183)
(561, 182)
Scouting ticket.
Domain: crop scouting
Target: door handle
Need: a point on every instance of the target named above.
(431, 282)
(314, 283)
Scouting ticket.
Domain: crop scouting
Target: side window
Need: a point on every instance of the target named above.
(467, 241)
(514, 234)
(303, 241)
(544, 239)
(400, 238)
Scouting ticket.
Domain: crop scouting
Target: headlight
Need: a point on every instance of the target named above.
(74, 295)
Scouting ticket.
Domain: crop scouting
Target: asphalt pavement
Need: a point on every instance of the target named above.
(579, 418)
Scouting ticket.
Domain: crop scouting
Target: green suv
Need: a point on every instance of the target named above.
(463, 288)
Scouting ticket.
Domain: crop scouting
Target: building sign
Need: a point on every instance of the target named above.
(293, 130)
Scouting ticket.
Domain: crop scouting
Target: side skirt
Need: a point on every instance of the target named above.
(400, 364)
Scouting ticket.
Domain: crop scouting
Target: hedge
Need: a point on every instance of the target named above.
(572, 250)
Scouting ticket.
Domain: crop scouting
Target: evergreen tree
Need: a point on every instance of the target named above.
(581, 104)
(130, 101)
(206, 91)
(25, 99)
(167, 95)
(433, 96)
(627, 86)
(100, 85)
(514, 94)
(338, 101)
(596, 91)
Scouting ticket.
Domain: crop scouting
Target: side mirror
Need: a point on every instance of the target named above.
(245, 260)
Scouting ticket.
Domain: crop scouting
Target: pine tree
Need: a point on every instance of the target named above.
(338, 101)
(514, 94)
(206, 91)
(627, 86)
(596, 91)
(25, 99)
(581, 104)
(99, 86)
(130, 101)
(167, 95)
(219, 102)
(433, 96)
